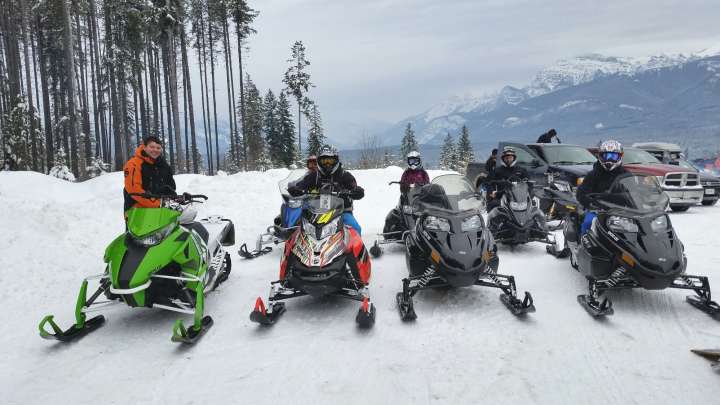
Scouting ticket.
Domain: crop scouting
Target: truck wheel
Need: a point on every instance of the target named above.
(679, 208)
(709, 203)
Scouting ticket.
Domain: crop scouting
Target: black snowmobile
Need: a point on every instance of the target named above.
(398, 221)
(557, 201)
(283, 224)
(517, 220)
(451, 247)
(632, 244)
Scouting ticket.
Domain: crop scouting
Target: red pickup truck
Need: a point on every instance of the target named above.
(681, 184)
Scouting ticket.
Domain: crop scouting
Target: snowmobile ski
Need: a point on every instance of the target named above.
(181, 334)
(262, 316)
(595, 307)
(712, 354)
(246, 254)
(705, 304)
(73, 333)
(516, 306)
(366, 314)
(406, 307)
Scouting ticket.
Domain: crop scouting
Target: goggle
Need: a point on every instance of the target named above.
(611, 156)
(328, 161)
(413, 161)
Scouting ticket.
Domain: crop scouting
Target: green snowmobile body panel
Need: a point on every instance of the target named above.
(131, 264)
(144, 221)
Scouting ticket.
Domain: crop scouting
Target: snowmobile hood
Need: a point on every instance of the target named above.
(144, 221)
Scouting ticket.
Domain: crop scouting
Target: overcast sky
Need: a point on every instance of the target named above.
(383, 60)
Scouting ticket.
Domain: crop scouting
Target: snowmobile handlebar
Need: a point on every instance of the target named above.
(184, 198)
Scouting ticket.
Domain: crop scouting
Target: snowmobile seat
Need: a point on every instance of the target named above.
(200, 229)
(434, 194)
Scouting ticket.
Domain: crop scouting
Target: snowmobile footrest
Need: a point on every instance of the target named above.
(406, 307)
(595, 307)
(246, 254)
(72, 333)
(706, 305)
(516, 306)
(366, 314)
(190, 335)
(263, 317)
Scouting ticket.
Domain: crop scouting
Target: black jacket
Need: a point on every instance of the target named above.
(490, 166)
(598, 180)
(545, 138)
(341, 180)
(503, 172)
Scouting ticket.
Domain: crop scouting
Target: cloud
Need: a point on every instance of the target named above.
(385, 60)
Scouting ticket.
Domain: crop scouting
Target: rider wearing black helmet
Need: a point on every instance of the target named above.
(508, 170)
(330, 171)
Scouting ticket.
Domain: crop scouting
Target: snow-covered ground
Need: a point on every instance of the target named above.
(465, 347)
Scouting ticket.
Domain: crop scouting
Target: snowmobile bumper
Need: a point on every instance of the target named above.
(316, 281)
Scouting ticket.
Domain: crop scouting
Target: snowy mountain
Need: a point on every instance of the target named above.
(465, 347)
(589, 96)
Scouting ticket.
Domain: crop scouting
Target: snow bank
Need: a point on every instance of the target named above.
(464, 348)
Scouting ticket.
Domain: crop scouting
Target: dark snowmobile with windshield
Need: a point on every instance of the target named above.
(449, 246)
(632, 244)
(283, 224)
(322, 257)
(517, 220)
(399, 221)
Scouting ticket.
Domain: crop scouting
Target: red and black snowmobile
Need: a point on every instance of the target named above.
(323, 257)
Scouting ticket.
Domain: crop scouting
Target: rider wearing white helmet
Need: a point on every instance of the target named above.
(415, 173)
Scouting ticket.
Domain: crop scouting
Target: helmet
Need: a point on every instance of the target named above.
(414, 161)
(610, 154)
(509, 151)
(328, 160)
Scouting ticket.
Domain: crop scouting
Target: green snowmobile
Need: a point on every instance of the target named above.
(165, 260)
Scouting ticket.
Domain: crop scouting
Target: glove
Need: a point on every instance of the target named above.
(357, 193)
(184, 198)
(295, 191)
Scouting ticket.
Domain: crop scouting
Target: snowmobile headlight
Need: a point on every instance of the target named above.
(329, 229)
(518, 205)
(308, 227)
(294, 203)
(157, 237)
(437, 224)
(622, 224)
(473, 223)
(659, 224)
(562, 185)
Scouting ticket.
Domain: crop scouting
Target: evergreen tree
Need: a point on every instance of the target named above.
(408, 143)
(253, 123)
(448, 154)
(60, 169)
(297, 82)
(388, 159)
(465, 153)
(271, 128)
(316, 135)
(15, 137)
(287, 131)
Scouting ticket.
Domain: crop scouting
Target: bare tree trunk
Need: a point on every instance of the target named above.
(171, 48)
(208, 133)
(31, 107)
(214, 98)
(242, 101)
(188, 92)
(68, 44)
(226, 53)
(49, 144)
(170, 125)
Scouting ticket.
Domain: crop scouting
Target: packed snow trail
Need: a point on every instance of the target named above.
(465, 346)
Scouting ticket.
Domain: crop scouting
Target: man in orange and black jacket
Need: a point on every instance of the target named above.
(147, 172)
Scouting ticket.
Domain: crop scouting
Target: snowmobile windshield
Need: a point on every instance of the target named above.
(324, 203)
(294, 176)
(518, 192)
(639, 194)
(459, 194)
(568, 155)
